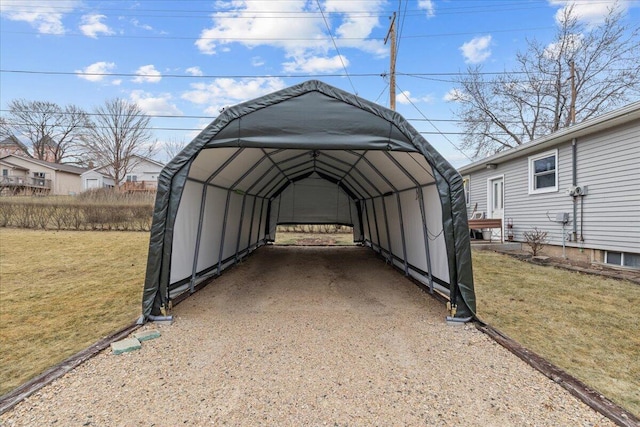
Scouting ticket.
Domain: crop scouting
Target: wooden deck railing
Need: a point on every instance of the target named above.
(25, 181)
(139, 186)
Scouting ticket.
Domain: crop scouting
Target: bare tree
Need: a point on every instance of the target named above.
(584, 71)
(172, 147)
(53, 132)
(120, 132)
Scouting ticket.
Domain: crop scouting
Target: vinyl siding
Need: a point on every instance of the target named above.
(607, 164)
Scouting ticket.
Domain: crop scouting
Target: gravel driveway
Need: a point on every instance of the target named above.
(308, 336)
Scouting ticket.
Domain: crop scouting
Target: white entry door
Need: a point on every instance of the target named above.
(495, 203)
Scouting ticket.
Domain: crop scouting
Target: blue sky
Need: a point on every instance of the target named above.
(185, 60)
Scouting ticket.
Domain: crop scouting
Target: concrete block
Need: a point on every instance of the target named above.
(126, 345)
(147, 335)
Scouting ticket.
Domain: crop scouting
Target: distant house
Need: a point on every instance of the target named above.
(579, 184)
(24, 175)
(12, 145)
(143, 176)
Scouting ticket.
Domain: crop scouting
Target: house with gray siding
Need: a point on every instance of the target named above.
(581, 185)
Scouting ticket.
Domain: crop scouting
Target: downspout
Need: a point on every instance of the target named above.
(574, 183)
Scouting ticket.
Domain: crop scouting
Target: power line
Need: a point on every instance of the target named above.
(425, 76)
(200, 117)
(168, 37)
(344, 67)
(439, 132)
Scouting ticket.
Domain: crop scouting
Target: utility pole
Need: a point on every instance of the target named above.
(391, 34)
(572, 108)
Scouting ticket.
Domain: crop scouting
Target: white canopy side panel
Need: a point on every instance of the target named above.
(262, 234)
(314, 201)
(211, 228)
(381, 224)
(273, 217)
(246, 224)
(185, 232)
(437, 244)
(208, 161)
(369, 224)
(254, 226)
(414, 232)
(232, 225)
(395, 232)
(357, 231)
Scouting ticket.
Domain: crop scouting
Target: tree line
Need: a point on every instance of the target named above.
(584, 71)
(111, 135)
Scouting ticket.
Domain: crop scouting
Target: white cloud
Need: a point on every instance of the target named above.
(259, 23)
(316, 64)
(405, 97)
(137, 24)
(476, 50)
(428, 6)
(96, 71)
(257, 61)
(155, 105)
(589, 11)
(147, 74)
(92, 25)
(44, 15)
(569, 44)
(225, 91)
(454, 95)
(194, 71)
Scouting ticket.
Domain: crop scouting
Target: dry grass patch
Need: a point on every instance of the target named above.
(61, 292)
(584, 324)
(311, 239)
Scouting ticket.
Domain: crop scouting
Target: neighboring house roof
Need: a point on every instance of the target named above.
(55, 166)
(609, 120)
(102, 169)
(12, 141)
(12, 165)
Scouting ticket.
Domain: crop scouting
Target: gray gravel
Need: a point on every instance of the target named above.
(308, 336)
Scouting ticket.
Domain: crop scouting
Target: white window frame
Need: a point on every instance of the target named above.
(532, 159)
(466, 185)
(622, 259)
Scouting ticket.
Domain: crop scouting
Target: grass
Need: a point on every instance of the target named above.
(291, 238)
(587, 325)
(62, 291)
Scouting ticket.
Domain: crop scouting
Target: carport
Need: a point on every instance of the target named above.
(308, 154)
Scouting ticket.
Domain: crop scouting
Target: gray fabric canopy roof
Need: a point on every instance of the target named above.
(310, 153)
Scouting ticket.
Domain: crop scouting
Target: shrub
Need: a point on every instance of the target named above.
(536, 240)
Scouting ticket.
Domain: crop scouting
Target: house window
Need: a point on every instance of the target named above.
(467, 194)
(38, 174)
(132, 178)
(622, 258)
(5, 172)
(543, 172)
